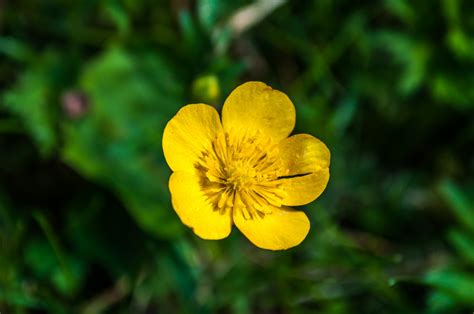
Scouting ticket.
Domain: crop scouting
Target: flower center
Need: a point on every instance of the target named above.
(240, 173)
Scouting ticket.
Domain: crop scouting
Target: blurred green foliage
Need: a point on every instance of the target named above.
(86, 87)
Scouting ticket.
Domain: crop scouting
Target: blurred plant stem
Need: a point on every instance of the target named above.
(103, 301)
(252, 14)
(54, 242)
(242, 20)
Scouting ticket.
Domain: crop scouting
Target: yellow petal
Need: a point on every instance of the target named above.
(195, 210)
(255, 106)
(189, 133)
(305, 169)
(282, 229)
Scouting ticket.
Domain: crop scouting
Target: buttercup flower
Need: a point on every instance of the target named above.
(244, 170)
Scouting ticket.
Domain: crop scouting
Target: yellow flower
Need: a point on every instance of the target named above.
(246, 170)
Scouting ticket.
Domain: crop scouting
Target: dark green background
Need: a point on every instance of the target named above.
(86, 224)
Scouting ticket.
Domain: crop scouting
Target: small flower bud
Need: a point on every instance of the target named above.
(75, 104)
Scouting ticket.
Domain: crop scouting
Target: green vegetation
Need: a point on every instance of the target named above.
(86, 87)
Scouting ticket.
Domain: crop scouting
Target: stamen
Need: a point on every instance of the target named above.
(240, 173)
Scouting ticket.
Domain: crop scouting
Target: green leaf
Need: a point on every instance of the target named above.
(459, 203)
(457, 284)
(34, 99)
(118, 142)
(440, 302)
(14, 49)
(402, 9)
(453, 89)
(451, 10)
(463, 243)
(208, 12)
(344, 114)
(42, 260)
(118, 15)
(412, 55)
